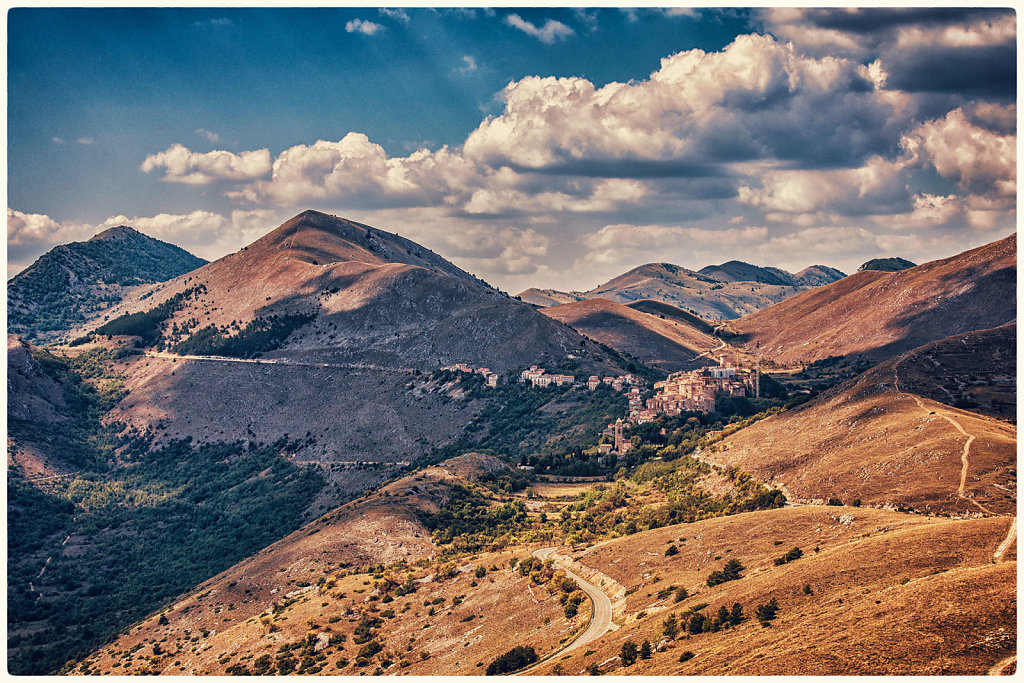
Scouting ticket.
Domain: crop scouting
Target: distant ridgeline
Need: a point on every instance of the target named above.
(74, 282)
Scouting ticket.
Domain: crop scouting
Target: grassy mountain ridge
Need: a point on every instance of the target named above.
(366, 296)
(875, 315)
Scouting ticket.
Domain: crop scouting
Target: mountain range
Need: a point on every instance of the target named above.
(269, 465)
(722, 292)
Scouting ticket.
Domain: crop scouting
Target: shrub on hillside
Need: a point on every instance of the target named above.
(513, 660)
(767, 612)
(628, 653)
(730, 572)
(794, 554)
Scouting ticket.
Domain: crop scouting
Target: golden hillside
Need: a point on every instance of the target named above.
(878, 315)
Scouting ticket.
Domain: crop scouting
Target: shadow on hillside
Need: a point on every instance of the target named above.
(990, 302)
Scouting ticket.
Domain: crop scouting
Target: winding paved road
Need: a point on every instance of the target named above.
(600, 615)
(274, 361)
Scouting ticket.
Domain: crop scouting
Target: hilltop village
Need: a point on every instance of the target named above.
(692, 391)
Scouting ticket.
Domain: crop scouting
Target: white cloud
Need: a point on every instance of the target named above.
(357, 169)
(185, 166)
(58, 141)
(208, 134)
(548, 34)
(878, 183)
(33, 229)
(363, 26)
(85, 141)
(980, 160)
(397, 14)
(506, 250)
(586, 17)
(754, 99)
(468, 64)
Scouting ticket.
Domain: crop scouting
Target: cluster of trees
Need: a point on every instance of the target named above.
(629, 652)
(767, 612)
(698, 623)
(515, 659)
(148, 325)
(258, 336)
(729, 572)
(512, 424)
(555, 581)
(180, 514)
(467, 522)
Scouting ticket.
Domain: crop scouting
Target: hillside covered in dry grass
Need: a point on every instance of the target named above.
(876, 315)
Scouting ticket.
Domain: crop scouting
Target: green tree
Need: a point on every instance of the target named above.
(670, 627)
(766, 613)
(681, 594)
(628, 653)
(730, 572)
(645, 650)
(696, 624)
(736, 615)
(513, 660)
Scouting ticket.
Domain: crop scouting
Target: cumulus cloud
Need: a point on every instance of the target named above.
(504, 250)
(755, 99)
(468, 64)
(363, 26)
(979, 160)
(877, 185)
(185, 166)
(356, 169)
(926, 50)
(549, 33)
(28, 231)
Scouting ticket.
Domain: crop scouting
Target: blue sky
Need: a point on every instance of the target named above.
(534, 147)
